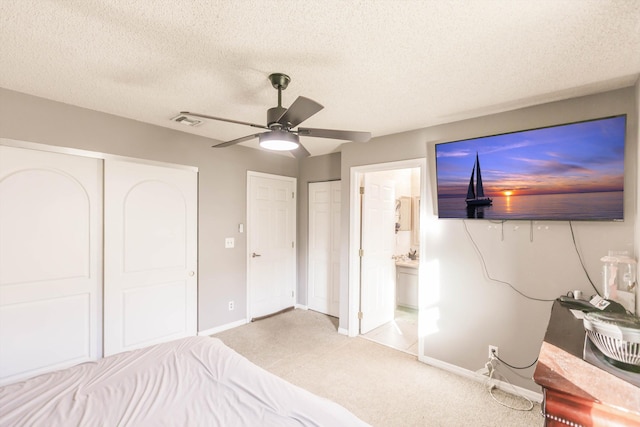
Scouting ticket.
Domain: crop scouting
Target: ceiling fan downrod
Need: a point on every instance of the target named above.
(280, 82)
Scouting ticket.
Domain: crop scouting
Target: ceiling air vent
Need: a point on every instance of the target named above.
(186, 120)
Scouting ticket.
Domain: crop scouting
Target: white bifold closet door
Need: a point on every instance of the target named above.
(324, 247)
(150, 281)
(50, 261)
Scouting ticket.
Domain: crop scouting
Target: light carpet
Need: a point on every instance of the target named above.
(382, 386)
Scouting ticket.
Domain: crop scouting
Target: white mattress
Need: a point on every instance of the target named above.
(195, 381)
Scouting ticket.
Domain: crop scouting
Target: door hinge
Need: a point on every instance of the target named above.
(360, 315)
(361, 190)
(293, 294)
(361, 253)
(293, 195)
(292, 245)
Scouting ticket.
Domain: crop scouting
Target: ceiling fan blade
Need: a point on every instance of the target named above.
(300, 152)
(237, 141)
(301, 109)
(348, 135)
(238, 122)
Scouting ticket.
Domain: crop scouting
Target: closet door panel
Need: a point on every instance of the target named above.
(42, 335)
(147, 321)
(50, 261)
(150, 254)
(324, 247)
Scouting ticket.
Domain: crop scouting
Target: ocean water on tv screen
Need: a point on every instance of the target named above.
(574, 206)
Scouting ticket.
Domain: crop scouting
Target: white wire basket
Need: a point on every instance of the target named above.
(616, 335)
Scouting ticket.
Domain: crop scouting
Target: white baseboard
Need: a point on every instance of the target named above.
(502, 385)
(343, 331)
(301, 307)
(222, 328)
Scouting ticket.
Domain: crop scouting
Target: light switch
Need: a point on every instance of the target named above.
(229, 242)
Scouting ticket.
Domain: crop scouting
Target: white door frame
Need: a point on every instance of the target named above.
(354, 229)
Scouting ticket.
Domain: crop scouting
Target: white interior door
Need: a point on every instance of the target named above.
(324, 247)
(271, 235)
(378, 234)
(50, 261)
(150, 255)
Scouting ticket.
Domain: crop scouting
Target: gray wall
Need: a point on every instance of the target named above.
(222, 182)
(463, 310)
(468, 310)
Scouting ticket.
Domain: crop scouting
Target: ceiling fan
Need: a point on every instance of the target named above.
(280, 134)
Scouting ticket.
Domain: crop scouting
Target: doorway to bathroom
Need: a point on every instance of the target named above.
(385, 252)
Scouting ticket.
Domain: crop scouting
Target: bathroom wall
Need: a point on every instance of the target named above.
(406, 186)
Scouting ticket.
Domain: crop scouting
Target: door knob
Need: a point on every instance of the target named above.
(253, 255)
(191, 273)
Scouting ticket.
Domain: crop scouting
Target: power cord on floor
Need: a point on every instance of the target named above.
(491, 368)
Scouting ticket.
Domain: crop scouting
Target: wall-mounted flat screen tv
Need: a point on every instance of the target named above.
(573, 171)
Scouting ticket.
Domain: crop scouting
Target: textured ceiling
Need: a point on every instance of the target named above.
(382, 66)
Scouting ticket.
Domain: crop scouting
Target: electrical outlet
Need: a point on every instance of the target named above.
(493, 351)
(231, 305)
(229, 243)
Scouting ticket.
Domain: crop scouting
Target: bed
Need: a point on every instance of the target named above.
(195, 381)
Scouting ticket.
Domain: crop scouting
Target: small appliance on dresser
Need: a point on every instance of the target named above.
(612, 343)
(619, 280)
(584, 385)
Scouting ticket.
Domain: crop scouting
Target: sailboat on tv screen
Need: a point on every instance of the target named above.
(475, 192)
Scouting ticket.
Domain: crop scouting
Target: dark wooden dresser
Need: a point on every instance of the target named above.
(577, 393)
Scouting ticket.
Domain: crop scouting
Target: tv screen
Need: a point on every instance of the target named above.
(573, 171)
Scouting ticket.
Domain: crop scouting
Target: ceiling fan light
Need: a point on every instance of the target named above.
(278, 140)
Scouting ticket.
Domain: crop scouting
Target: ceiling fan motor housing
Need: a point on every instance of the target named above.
(273, 115)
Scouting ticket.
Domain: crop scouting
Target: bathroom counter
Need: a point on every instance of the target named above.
(408, 264)
(407, 283)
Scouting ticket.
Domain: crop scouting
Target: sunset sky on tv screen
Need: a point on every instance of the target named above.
(585, 157)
